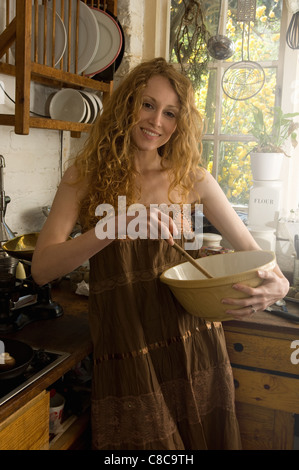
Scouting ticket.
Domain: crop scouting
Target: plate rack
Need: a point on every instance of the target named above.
(18, 33)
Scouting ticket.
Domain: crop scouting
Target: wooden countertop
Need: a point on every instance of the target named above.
(69, 333)
(264, 323)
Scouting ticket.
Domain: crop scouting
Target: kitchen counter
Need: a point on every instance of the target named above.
(264, 321)
(68, 333)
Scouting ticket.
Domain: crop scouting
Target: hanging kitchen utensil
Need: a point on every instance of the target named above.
(244, 79)
(220, 47)
(292, 36)
(5, 232)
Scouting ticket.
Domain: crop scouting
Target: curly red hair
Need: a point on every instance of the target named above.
(107, 162)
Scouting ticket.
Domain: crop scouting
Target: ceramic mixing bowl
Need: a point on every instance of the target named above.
(201, 296)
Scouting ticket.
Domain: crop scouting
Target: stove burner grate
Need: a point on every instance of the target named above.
(43, 361)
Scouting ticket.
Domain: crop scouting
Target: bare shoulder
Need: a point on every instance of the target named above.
(208, 187)
(71, 182)
(204, 182)
(71, 174)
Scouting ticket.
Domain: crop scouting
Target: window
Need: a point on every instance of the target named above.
(227, 140)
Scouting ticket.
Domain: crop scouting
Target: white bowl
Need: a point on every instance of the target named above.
(67, 105)
(202, 296)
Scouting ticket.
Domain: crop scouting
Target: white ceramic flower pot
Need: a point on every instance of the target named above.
(266, 166)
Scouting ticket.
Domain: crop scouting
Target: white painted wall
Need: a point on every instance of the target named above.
(32, 170)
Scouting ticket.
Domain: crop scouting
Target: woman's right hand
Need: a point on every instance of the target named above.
(138, 222)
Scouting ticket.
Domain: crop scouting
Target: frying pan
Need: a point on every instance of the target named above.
(23, 355)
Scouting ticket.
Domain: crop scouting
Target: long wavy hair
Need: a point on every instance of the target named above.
(106, 161)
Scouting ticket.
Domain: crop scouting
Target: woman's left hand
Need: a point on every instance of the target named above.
(272, 289)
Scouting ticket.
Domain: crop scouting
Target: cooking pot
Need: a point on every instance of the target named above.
(21, 352)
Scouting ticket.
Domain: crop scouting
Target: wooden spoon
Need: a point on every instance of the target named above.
(191, 260)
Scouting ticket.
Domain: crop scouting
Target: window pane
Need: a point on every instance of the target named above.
(264, 33)
(207, 155)
(236, 116)
(206, 100)
(234, 174)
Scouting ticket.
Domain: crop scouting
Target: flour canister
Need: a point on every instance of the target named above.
(264, 203)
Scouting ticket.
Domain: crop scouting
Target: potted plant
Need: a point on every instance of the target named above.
(267, 155)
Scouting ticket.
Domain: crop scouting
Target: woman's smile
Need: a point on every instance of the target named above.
(150, 133)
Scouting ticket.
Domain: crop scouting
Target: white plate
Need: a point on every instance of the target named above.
(110, 43)
(92, 105)
(60, 37)
(87, 114)
(89, 35)
(99, 103)
(67, 105)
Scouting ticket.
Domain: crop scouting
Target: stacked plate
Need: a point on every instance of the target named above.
(72, 105)
(101, 39)
(110, 44)
(44, 48)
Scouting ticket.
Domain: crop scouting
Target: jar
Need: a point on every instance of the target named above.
(211, 240)
(264, 236)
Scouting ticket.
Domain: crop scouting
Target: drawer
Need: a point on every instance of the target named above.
(266, 390)
(261, 352)
(27, 428)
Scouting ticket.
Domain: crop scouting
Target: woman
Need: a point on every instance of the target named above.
(162, 378)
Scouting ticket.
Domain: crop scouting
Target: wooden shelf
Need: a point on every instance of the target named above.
(18, 31)
(75, 428)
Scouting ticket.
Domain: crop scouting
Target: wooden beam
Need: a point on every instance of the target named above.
(67, 77)
(7, 37)
(23, 69)
(112, 7)
(44, 123)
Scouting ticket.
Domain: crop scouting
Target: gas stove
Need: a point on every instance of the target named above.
(43, 361)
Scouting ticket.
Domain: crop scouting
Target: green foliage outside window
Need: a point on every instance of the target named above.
(233, 164)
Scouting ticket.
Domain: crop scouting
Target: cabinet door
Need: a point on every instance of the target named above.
(265, 429)
(27, 428)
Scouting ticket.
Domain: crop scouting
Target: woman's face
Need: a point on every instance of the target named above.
(158, 116)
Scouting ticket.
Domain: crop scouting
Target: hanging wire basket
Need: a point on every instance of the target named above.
(245, 78)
